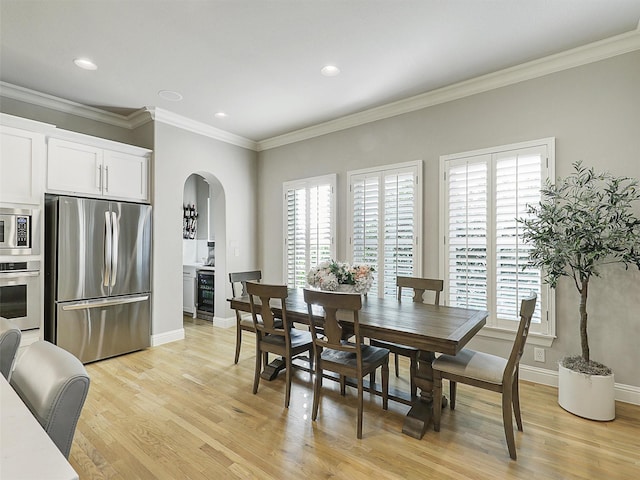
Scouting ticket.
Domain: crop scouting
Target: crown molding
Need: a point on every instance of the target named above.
(583, 55)
(33, 97)
(170, 118)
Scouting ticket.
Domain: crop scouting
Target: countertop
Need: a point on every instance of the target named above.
(199, 266)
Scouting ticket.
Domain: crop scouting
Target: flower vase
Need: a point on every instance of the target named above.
(346, 288)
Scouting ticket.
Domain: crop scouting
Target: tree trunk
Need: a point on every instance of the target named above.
(584, 339)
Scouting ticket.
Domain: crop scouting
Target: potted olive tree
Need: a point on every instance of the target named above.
(583, 223)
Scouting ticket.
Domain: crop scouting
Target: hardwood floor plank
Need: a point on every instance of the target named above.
(184, 411)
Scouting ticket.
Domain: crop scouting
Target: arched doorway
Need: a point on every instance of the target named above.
(204, 246)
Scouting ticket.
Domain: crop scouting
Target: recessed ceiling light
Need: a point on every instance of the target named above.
(330, 71)
(220, 115)
(170, 95)
(85, 64)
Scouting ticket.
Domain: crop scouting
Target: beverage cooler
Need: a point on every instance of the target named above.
(206, 297)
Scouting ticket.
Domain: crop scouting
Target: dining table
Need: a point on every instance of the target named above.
(429, 328)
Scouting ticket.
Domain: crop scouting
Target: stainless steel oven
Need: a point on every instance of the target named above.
(19, 234)
(20, 293)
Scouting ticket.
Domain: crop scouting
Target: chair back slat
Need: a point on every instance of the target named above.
(419, 286)
(333, 332)
(242, 278)
(265, 294)
(527, 307)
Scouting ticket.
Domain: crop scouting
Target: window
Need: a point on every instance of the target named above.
(309, 219)
(483, 254)
(385, 222)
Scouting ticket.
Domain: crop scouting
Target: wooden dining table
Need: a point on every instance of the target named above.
(429, 328)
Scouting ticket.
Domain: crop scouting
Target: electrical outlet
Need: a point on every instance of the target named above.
(538, 354)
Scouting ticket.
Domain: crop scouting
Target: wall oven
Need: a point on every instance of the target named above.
(20, 293)
(19, 234)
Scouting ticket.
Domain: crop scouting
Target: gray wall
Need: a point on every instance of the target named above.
(232, 170)
(594, 113)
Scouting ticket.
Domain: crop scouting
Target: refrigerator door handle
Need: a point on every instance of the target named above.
(115, 230)
(105, 303)
(108, 236)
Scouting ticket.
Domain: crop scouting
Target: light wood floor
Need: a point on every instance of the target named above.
(183, 410)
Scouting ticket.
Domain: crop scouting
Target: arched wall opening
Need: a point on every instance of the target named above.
(204, 242)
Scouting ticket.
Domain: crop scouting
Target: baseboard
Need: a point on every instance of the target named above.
(224, 322)
(167, 337)
(624, 393)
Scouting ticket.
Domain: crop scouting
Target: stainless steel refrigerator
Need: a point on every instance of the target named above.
(97, 276)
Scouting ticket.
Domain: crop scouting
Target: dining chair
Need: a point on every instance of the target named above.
(53, 384)
(489, 372)
(239, 288)
(275, 335)
(334, 353)
(10, 336)
(419, 286)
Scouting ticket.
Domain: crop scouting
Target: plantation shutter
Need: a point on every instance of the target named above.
(518, 180)
(485, 255)
(365, 194)
(309, 226)
(399, 228)
(385, 206)
(467, 234)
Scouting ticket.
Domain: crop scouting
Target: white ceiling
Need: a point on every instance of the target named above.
(259, 60)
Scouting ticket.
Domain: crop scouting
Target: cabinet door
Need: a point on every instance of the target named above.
(74, 168)
(21, 165)
(188, 293)
(125, 176)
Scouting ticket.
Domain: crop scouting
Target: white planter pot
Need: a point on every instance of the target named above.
(588, 396)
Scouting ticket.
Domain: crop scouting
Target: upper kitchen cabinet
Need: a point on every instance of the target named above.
(98, 168)
(22, 155)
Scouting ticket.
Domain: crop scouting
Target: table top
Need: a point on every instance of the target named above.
(26, 451)
(427, 327)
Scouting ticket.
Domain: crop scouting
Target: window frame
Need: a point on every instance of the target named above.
(416, 166)
(307, 184)
(540, 334)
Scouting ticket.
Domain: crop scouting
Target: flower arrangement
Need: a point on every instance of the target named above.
(329, 275)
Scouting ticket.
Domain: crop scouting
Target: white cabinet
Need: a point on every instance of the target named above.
(73, 167)
(85, 169)
(125, 175)
(22, 156)
(189, 290)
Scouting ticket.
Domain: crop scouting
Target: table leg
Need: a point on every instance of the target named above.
(272, 369)
(421, 412)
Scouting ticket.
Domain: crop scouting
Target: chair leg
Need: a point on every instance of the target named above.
(515, 400)
(238, 343)
(452, 394)
(437, 400)
(397, 363)
(360, 405)
(343, 385)
(507, 419)
(316, 389)
(311, 361)
(385, 385)
(287, 395)
(413, 371)
(372, 379)
(256, 375)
